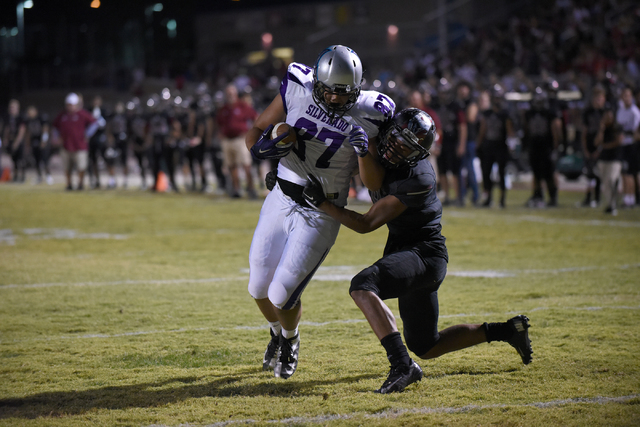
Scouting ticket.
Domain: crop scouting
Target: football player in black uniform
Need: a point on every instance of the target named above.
(542, 133)
(415, 258)
(38, 137)
(13, 133)
(118, 141)
(495, 127)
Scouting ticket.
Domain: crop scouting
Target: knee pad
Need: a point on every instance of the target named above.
(420, 345)
(278, 295)
(258, 290)
(366, 280)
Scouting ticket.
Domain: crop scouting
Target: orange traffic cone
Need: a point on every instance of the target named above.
(163, 182)
(6, 175)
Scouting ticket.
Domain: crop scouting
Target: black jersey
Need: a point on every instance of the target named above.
(415, 187)
(119, 126)
(35, 128)
(538, 131)
(11, 126)
(159, 124)
(138, 127)
(496, 125)
(451, 117)
(591, 118)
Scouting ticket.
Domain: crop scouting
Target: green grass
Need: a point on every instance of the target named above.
(128, 308)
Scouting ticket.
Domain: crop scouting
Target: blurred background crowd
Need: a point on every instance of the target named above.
(546, 89)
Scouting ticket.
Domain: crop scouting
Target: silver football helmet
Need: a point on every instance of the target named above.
(338, 70)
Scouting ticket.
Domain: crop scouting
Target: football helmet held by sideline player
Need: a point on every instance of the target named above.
(338, 70)
(406, 138)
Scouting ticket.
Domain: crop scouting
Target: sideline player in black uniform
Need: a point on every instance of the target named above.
(12, 136)
(138, 133)
(495, 127)
(38, 137)
(542, 133)
(415, 257)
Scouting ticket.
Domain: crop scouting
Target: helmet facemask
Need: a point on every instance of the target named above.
(338, 70)
(407, 139)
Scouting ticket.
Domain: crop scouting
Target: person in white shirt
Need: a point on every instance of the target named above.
(628, 117)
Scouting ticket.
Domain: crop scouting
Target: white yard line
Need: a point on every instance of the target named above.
(395, 413)
(545, 220)
(324, 274)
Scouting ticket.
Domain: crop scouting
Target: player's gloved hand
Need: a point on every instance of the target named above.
(267, 148)
(270, 179)
(313, 192)
(359, 141)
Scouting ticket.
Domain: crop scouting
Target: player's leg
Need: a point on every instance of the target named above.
(264, 256)
(395, 275)
(311, 234)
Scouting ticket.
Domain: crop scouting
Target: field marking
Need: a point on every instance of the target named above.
(302, 323)
(126, 282)
(325, 274)
(549, 221)
(395, 413)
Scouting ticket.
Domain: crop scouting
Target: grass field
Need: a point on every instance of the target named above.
(129, 308)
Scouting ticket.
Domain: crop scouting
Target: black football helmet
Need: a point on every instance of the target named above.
(338, 69)
(406, 138)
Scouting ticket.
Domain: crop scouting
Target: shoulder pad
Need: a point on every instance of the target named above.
(376, 104)
(300, 73)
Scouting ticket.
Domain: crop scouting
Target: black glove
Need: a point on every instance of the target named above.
(313, 192)
(267, 148)
(270, 179)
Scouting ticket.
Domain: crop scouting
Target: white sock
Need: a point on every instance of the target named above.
(289, 334)
(275, 327)
(629, 199)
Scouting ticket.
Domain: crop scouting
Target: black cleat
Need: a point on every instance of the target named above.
(400, 377)
(520, 338)
(287, 357)
(271, 354)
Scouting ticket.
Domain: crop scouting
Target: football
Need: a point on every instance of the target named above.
(281, 128)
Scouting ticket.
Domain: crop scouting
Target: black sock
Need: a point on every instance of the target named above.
(497, 331)
(396, 351)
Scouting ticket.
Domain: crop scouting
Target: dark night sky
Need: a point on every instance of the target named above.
(51, 11)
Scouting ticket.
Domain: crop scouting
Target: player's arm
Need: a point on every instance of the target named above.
(382, 211)
(273, 114)
(371, 171)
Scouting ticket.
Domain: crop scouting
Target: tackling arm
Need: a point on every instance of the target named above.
(371, 171)
(383, 211)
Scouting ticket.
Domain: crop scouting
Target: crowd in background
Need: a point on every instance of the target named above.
(552, 90)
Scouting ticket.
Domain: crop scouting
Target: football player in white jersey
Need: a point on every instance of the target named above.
(335, 121)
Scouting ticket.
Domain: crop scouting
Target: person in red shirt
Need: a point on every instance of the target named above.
(73, 126)
(234, 119)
